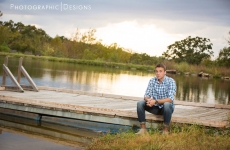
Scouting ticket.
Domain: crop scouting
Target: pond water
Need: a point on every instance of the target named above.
(9, 140)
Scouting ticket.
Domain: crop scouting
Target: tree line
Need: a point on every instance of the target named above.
(84, 45)
(29, 39)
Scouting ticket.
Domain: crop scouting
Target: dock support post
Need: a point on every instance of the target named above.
(39, 119)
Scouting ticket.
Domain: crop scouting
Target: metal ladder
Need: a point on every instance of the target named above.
(18, 87)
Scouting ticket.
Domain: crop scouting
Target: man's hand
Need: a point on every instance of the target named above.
(150, 102)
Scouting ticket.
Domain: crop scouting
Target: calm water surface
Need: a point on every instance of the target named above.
(117, 81)
(9, 140)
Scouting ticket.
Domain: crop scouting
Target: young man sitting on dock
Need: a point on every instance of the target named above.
(158, 99)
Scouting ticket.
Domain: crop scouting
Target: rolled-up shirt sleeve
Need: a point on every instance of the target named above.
(172, 89)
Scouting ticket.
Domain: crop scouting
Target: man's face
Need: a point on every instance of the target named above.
(160, 73)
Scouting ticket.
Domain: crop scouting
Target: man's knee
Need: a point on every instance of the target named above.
(168, 106)
(141, 103)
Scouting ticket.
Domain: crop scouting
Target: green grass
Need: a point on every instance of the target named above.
(181, 137)
(82, 61)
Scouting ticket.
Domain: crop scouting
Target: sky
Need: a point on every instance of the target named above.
(142, 26)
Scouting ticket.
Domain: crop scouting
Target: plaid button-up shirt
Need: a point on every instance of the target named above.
(165, 89)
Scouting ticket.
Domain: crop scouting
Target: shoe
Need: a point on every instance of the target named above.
(165, 130)
(142, 132)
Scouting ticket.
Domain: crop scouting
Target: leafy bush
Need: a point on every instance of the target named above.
(4, 48)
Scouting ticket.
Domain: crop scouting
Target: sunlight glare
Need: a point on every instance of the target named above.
(146, 38)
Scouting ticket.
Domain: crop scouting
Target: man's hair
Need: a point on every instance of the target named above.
(161, 65)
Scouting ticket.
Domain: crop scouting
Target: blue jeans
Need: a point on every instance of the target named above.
(166, 111)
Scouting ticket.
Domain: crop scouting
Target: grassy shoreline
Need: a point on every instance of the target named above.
(82, 61)
(182, 68)
(181, 137)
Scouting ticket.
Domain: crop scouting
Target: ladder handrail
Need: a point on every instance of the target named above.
(6, 71)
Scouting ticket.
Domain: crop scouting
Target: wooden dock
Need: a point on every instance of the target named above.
(107, 108)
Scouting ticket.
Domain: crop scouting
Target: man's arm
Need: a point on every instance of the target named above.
(162, 101)
(151, 102)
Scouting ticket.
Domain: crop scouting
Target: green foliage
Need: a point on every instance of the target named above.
(83, 45)
(47, 50)
(23, 38)
(135, 58)
(145, 59)
(182, 67)
(87, 37)
(190, 50)
(208, 62)
(224, 57)
(88, 55)
(216, 73)
(4, 48)
(5, 34)
(114, 57)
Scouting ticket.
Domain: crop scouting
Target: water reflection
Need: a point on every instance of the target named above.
(204, 90)
(43, 136)
(118, 81)
(14, 140)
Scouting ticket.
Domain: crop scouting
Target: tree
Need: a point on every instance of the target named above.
(5, 34)
(1, 13)
(86, 37)
(135, 58)
(4, 48)
(88, 55)
(190, 50)
(224, 57)
(57, 44)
